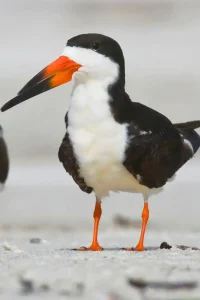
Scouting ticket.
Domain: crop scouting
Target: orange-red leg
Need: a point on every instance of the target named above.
(145, 217)
(97, 215)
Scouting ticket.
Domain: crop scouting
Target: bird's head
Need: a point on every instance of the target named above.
(85, 57)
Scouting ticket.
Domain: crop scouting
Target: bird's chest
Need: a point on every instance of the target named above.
(98, 141)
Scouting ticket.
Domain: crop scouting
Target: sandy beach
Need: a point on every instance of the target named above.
(52, 209)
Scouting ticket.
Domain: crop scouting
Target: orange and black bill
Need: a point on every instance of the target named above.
(58, 72)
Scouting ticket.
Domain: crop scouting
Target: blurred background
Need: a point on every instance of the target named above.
(160, 40)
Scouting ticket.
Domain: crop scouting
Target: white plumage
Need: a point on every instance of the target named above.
(99, 142)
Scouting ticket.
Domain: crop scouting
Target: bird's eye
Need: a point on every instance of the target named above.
(95, 46)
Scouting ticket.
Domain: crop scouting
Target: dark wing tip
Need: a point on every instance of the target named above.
(188, 125)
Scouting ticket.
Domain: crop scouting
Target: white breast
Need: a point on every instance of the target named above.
(99, 142)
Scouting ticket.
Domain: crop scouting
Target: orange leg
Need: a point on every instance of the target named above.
(97, 215)
(145, 217)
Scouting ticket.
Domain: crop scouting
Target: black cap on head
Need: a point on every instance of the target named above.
(104, 45)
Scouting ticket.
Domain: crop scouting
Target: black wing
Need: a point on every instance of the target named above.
(4, 161)
(68, 159)
(156, 148)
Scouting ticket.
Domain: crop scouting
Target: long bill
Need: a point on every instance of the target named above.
(58, 72)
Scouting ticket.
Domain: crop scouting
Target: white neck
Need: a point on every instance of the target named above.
(89, 101)
(90, 117)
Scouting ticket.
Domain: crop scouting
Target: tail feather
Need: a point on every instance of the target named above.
(188, 125)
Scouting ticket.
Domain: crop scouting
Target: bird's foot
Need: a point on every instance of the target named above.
(137, 248)
(93, 247)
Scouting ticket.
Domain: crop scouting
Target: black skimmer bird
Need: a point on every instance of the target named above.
(111, 143)
(4, 160)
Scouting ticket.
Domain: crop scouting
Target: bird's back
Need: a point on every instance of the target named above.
(161, 148)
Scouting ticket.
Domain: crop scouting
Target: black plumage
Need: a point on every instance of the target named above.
(155, 156)
(67, 157)
(4, 159)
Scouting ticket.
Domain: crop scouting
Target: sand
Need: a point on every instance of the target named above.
(41, 202)
(52, 270)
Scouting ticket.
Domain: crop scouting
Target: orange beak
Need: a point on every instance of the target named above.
(58, 72)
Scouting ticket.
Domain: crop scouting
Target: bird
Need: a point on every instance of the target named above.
(4, 160)
(112, 143)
